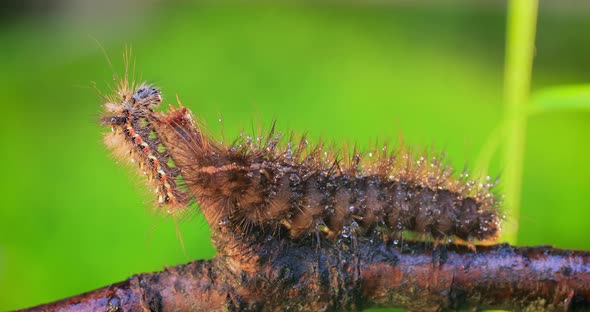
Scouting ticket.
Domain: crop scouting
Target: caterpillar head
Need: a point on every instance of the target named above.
(130, 105)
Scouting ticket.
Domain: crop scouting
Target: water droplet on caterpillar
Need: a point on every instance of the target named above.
(295, 179)
(345, 232)
(289, 152)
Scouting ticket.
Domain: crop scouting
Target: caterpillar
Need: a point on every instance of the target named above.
(134, 138)
(269, 183)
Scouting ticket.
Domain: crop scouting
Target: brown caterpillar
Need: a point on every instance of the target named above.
(267, 183)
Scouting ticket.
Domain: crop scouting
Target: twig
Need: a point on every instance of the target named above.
(272, 275)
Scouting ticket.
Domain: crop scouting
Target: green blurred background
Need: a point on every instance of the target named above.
(71, 220)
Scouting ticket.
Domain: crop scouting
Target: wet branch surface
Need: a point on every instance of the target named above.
(264, 274)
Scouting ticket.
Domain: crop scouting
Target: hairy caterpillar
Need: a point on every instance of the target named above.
(269, 183)
(133, 137)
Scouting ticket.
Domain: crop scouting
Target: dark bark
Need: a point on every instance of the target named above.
(353, 274)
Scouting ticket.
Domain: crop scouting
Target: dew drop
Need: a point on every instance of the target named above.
(345, 232)
(295, 178)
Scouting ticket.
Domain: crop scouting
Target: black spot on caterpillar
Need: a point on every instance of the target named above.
(268, 183)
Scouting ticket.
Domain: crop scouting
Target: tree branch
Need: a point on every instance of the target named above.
(350, 274)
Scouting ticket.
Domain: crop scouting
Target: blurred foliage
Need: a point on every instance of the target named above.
(71, 220)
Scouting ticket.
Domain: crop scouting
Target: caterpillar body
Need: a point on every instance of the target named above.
(268, 183)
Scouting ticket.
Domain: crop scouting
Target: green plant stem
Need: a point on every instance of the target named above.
(520, 41)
